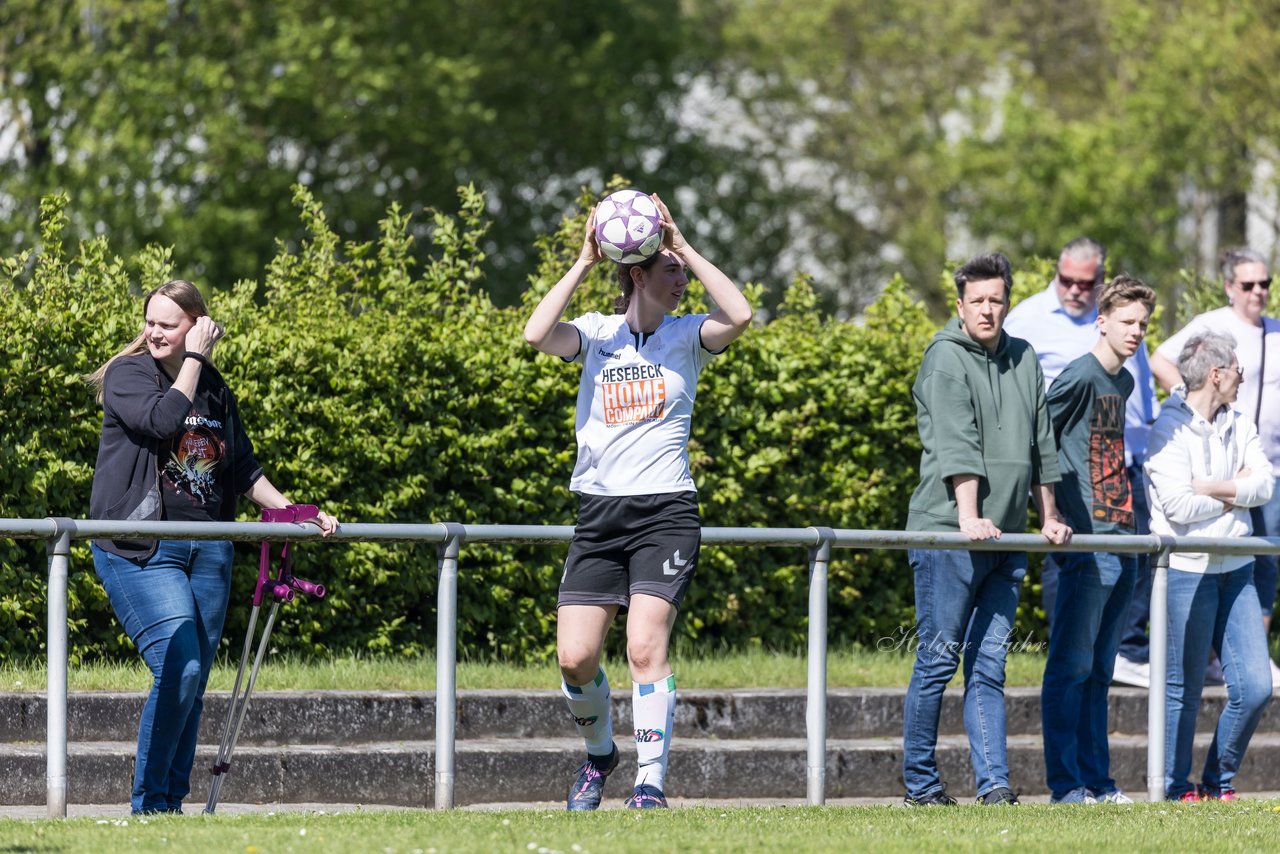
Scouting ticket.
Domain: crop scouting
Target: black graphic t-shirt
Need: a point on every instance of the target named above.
(1087, 407)
(191, 461)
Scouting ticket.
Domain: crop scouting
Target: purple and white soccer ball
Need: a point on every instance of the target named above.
(628, 226)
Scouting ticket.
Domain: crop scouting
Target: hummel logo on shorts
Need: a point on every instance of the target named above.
(674, 564)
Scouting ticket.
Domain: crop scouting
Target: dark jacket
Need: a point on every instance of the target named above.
(139, 410)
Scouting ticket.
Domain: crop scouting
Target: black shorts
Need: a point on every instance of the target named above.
(632, 544)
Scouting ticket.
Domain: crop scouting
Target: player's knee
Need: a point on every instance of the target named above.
(578, 665)
(646, 653)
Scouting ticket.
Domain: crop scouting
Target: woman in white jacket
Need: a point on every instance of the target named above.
(1205, 469)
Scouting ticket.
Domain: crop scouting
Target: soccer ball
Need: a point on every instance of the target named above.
(628, 226)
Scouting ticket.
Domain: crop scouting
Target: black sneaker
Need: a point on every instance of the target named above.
(588, 786)
(1000, 796)
(939, 798)
(646, 797)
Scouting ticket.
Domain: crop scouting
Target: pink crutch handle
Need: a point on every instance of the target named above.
(280, 589)
(302, 585)
(291, 513)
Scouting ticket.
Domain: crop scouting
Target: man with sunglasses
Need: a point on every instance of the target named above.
(1246, 280)
(1060, 322)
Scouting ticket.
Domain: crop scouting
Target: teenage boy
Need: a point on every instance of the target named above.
(1087, 408)
(1061, 323)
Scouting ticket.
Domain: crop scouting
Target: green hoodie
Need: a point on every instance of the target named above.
(980, 413)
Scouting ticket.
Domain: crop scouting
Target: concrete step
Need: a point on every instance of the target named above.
(521, 770)
(349, 718)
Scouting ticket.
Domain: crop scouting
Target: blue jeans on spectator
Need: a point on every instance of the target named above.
(1218, 610)
(172, 605)
(1094, 590)
(965, 605)
(1135, 645)
(1266, 523)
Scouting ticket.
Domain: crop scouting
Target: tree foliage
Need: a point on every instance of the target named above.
(185, 122)
(842, 139)
(1157, 150)
(910, 131)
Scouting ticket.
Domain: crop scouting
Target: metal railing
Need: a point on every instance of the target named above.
(450, 537)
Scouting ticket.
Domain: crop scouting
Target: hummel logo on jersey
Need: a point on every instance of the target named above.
(603, 352)
(674, 565)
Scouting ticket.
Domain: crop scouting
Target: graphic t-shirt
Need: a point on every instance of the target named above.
(1087, 407)
(191, 461)
(635, 403)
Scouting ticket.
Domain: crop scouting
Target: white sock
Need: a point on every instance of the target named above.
(653, 708)
(589, 705)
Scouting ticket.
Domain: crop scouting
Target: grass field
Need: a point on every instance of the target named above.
(845, 669)
(1218, 827)
(1243, 826)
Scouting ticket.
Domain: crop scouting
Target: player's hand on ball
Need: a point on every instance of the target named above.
(671, 236)
(590, 254)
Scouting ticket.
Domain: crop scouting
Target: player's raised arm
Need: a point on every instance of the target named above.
(544, 330)
(732, 314)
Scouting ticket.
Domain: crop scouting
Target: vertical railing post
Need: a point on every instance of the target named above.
(816, 707)
(446, 663)
(1159, 670)
(59, 551)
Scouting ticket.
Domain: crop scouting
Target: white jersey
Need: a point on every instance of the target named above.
(635, 404)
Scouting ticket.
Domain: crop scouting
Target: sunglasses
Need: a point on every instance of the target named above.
(1082, 284)
(1265, 284)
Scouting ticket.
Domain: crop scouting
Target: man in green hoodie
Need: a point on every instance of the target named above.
(988, 443)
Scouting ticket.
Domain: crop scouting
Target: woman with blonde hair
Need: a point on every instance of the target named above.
(172, 447)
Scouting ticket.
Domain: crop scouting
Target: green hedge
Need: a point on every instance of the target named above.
(391, 393)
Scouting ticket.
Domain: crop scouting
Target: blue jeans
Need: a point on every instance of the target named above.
(1135, 645)
(1218, 610)
(965, 604)
(172, 605)
(1133, 637)
(1093, 599)
(1266, 523)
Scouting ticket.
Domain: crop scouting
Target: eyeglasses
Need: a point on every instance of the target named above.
(1083, 284)
(1265, 284)
(1239, 369)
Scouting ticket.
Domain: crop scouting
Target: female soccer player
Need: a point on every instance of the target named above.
(635, 547)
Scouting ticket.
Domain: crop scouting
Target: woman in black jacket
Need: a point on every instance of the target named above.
(172, 447)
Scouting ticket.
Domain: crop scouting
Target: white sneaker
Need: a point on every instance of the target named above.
(1275, 676)
(1128, 672)
(1080, 795)
(1116, 797)
(1213, 673)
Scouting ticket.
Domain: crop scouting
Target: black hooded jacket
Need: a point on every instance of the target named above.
(140, 409)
